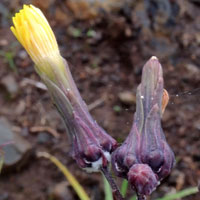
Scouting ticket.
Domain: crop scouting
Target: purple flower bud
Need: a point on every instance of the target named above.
(124, 157)
(142, 179)
(91, 145)
(89, 150)
(145, 158)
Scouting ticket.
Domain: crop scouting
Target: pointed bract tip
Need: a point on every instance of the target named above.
(165, 100)
(154, 58)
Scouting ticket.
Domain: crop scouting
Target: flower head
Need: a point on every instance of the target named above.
(91, 145)
(145, 158)
(35, 34)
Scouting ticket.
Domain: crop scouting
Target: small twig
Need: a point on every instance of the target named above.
(116, 193)
(38, 84)
(96, 103)
(53, 132)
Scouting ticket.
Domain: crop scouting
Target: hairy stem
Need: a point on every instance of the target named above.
(116, 193)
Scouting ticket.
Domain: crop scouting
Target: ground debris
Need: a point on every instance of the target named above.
(127, 97)
(10, 84)
(47, 129)
(16, 153)
(61, 191)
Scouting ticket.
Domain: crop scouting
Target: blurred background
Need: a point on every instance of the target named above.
(106, 43)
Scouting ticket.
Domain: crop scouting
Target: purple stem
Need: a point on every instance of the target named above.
(116, 193)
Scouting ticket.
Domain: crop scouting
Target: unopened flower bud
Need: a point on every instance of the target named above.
(91, 145)
(145, 158)
(124, 157)
(88, 149)
(142, 179)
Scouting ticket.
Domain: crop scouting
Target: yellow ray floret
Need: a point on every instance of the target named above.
(35, 34)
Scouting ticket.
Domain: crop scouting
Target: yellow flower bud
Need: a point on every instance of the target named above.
(33, 31)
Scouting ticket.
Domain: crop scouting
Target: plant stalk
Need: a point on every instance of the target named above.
(115, 190)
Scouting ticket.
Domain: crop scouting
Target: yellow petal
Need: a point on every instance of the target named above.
(33, 31)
